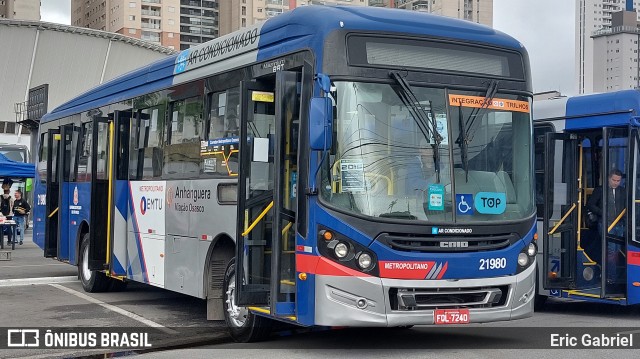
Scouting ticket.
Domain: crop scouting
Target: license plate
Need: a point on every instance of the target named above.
(451, 316)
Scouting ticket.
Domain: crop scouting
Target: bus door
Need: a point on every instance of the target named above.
(614, 230)
(267, 193)
(101, 154)
(560, 222)
(69, 134)
(52, 219)
(633, 241)
(119, 193)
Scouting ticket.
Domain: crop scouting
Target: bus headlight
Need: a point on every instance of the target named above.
(523, 259)
(364, 261)
(346, 252)
(531, 249)
(341, 250)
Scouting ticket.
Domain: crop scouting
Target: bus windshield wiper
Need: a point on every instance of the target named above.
(466, 126)
(420, 116)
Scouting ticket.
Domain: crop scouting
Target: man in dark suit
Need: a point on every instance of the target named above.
(617, 198)
(617, 202)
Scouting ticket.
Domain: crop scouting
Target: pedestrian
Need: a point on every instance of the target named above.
(21, 209)
(6, 206)
(617, 201)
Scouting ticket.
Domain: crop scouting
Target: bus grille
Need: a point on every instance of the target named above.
(447, 298)
(447, 244)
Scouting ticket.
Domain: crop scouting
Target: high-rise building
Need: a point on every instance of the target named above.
(480, 11)
(20, 9)
(198, 21)
(593, 17)
(615, 54)
(151, 20)
(236, 14)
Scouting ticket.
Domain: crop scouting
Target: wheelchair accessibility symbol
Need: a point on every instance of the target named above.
(462, 204)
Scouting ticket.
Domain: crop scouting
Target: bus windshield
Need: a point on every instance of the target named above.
(471, 164)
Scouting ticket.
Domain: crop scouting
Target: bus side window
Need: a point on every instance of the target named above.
(84, 148)
(182, 152)
(146, 159)
(43, 155)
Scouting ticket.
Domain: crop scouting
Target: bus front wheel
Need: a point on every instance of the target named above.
(243, 325)
(92, 281)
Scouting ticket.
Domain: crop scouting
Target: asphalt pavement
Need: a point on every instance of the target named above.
(38, 292)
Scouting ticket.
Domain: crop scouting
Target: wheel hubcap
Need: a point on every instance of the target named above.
(86, 273)
(237, 315)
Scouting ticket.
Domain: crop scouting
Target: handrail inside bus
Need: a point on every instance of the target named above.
(257, 220)
(552, 231)
(54, 212)
(624, 211)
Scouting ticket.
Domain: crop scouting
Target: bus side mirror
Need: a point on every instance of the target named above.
(635, 121)
(321, 124)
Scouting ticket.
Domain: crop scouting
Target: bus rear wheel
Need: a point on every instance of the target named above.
(244, 326)
(92, 281)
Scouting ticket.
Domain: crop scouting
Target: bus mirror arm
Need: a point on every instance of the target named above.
(635, 121)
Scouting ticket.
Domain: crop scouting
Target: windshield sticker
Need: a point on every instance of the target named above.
(496, 103)
(436, 197)
(352, 176)
(441, 127)
(491, 202)
(464, 204)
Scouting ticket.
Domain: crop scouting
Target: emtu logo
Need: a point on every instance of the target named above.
(143, 205)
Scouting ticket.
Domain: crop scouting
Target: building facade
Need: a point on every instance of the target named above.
(479, 11)
(236, 14)
(616, 54)
(198, 22)
(156, 21)
(20, 9)
(89, 58)
(593, 17)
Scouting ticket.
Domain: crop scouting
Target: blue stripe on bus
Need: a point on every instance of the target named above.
(117, 268)
(136, 232)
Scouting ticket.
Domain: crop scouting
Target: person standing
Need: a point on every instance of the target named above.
(6, 205)
(617, 198)
(21, 209)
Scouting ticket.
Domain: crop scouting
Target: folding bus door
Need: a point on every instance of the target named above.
(265, 240)
(101, 152)
(560, 224)
(52, 219)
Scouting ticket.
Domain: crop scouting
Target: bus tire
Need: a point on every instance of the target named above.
(92, 281)
(244, 326)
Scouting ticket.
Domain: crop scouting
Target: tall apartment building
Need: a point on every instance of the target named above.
(480, 11)
(617, 54)
(151, 20)
(592, 17)
(20, 9)
(198, 21)
(236, 14)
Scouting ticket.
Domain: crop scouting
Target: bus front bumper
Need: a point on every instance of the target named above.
(370, 301)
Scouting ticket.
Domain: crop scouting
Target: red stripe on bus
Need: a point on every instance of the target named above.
(633, 258)
(311, 264)
(443, 271)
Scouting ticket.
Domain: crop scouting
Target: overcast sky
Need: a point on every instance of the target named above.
(545, 27)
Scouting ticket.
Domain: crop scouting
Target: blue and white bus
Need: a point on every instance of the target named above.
(275, 172)
(580, 142)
